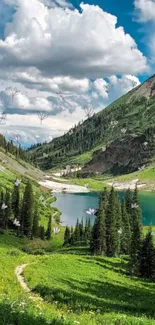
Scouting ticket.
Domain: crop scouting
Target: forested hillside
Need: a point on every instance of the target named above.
(128, 117)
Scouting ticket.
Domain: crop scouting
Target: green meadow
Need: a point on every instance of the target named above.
(76, 289)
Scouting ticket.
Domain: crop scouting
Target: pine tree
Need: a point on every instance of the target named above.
(112, 235)
(35, 228)
(105, 197)
(15, 201)
(8, 214)
(136, 234)
(42, 233)
(98, 238)
(128, 204)
(81, 230)
(147, 257)
(67, 236)
(27, 210)
(126, 231)
(87, 231)
(118, 217)
(1, 210)
(77, 232)
(49, 229)
(71, 241)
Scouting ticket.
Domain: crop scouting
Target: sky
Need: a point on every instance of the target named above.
(60, 58)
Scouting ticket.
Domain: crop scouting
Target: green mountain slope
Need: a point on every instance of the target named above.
(129, 117)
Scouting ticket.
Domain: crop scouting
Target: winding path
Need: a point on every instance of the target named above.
(18, 272)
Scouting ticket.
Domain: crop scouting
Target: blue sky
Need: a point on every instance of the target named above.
(55, 61)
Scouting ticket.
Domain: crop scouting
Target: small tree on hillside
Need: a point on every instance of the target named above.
(27, 210)
(147, 257)
(49, 228)
(136, 234)
(98, 238)
(77, 232)
(126, 231)
(67, 236)
(15, 201)
(35, 227)
(112, 235)
(8, 211)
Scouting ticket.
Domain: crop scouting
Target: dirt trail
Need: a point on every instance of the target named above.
(18, 271)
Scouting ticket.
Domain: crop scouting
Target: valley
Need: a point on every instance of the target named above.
(50, 274)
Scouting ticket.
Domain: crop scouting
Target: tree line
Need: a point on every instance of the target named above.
(19, 212)
(16, 151)
(117, 230)
(80, 235)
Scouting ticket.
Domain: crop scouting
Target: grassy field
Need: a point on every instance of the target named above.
(95, 290)
(94, 184)
(77, 289)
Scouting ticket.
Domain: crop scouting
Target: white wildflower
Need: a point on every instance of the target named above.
(120, 231)
(134, 206)
(56, 230)
(16, 223)
(123, 131)
(4, 206)
(18, 182)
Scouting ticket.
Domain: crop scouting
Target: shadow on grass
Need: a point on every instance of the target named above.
(15, 316)
(103, 296)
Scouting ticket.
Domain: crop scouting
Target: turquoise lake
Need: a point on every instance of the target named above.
(73, 206)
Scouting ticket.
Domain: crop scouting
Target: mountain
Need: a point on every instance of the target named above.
(115, 138)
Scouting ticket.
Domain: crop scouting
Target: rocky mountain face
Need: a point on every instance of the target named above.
(125, 155)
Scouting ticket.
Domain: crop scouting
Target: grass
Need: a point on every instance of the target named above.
(86, 156)
(94, 290)
(94, 184)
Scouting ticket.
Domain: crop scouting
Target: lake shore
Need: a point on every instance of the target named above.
(57, 187)
(122, 186)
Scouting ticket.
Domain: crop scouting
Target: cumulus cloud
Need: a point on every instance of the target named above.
(101, 87)
(60, 60)
(120, 86)
(145, 9)
(84, 44)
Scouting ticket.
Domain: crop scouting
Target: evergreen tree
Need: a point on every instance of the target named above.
(67, 236)
(1, 210)
(27, 210)
(105, 197)
(71, 241)
(81, 230)
(77, 232)
(8, 213)
(118, 217)
(87, 231)
(49, 229)
(126, 231)
(136, 234)
(147, 257)
(35, 228)
(15, 201)
(128, 204)
(128, 201)
(98, 238)
(42, 232)
(112, 235)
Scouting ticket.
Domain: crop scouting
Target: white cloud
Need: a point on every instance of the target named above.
(120, 86)
(84, 44)
(61, 59)
(145, 9)
(33, 79)
(102, 87)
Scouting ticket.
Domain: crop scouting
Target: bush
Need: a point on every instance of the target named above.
(35, 247)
